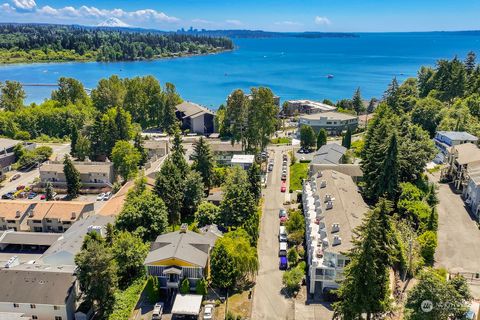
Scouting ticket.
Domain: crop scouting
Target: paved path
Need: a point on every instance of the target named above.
(268, 301)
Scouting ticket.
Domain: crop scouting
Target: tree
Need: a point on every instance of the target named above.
(371, 105)
(388, 180)
(144, 214)
(125, 158)
(184, 286)
(321, 138)
(201, 287)
(109, 93)
(236, 116)
(292, 256)
(292, 279)
(357, 102)
(238, 203)
(72, 176)
(193, 193)
(425, 81)
(12, 96)
(169, 186)
(203, 161)
(222, 265)
(178, 154)
(97, 275)
(73, 140)
(49, 191)
(470, 62)
(70, 91)
(391, 96)
(207, 213)
(307, 137)
(446, 301)
(82, 148)
(138, 144)
(129, 252)
(172, 99)
(347, 139)
(428, 244)
(427, 114)
(255, 183)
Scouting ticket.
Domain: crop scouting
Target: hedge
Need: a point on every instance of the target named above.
(126, 300)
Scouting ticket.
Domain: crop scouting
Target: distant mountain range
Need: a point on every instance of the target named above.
(113, 22)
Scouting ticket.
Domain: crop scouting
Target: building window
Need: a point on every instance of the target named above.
(15, 305)
(58, 318)
(33, 306)
(34, 317)
(56, 308)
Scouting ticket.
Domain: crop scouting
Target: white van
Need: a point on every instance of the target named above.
(282, 234)
(282, 252)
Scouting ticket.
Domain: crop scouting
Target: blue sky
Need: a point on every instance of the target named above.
(275, 15)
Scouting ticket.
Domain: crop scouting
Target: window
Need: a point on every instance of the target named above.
(15, 305)
(58, 318)
(56, 308)
(33, 306)
(34, 317)
(329, 122)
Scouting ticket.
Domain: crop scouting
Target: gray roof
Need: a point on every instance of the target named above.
(186, 246)
(64, 250)
(190, 109)
(36, 284)
(330, 115)
(8, 143)
(29, 238)
(352, 170)
(330, 153)
(458, 135)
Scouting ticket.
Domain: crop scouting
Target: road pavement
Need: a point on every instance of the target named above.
(268, 300)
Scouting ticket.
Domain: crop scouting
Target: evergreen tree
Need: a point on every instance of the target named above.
(12, 96)
(347, 139)
(307, 137)
(49, 191)
(470, 62)
(138, 144)
(357, 102)
(172, 99)
(178, 154)
(391, 97)
(129, 251)
(98, 132)
(82, 147)
(389, 171)
(425, 81)
(72, 176)
(169, 186)
(203, 161)
(223, 267)
(193, 193)
(184, 286)
(371, 105)
(254, 178)
(321, 138)
(122, 125)
(73, 140)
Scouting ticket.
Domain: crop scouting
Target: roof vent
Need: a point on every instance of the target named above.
(97, 229)
(337, 240)
(319, 174)
(329, 205)
(328, 197)
(335, 227)
(74, 215)
(183, 228)
(31, 213)
(325, 242)
(323, 184)
(17, 214)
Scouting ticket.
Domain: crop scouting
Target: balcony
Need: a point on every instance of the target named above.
(172, 284)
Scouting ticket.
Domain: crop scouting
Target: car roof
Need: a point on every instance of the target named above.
(283, 259)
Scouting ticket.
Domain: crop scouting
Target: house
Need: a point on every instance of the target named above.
(224, 151)
(13, 214)
(333, 208)
(41, 292)
(7, 155)
(63, 251)
(293, 107)
(331, 153)
(92, 174)
(445, 140)
(461, 159)
(181, 254)
(352, 170)
(57, 216)
(471, 193)
(333, 122)
(245, 161)
(195, 117)
(215, 196)
(156, 148)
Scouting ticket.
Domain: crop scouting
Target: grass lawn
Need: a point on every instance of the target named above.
(239, 304)
(298, 172)
(281, 140)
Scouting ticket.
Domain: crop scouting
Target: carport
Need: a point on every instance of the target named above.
(187, 305)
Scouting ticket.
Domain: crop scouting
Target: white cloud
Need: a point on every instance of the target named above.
(202, 21)
(24, 4)
(234, 22)
(288, 23)
(322, 21)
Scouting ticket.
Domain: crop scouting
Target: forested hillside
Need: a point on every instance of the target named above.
(39, 43)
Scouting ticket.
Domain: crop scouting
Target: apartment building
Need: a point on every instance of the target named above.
(333, 122)
(92, 174)
(333, 208)
(57, 216)
(13, 214)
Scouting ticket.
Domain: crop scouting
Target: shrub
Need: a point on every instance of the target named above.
(292, 257)
(201, 287)
(152, 289)
(428, 244)
(301, 252)
(185, 286)
(126, 300)
(207, 213)
(292, 279)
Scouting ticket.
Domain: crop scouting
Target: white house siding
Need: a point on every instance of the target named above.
(42, 311)
(198, 124)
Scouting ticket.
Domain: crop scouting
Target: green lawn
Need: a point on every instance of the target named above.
(281, 140)
(298, 172)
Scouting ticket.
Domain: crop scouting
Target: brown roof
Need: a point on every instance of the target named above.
(9, 208)
(155, 144)
(82, 167)
(115, 204)
(59, 209)
(467, 153)
(36, 284)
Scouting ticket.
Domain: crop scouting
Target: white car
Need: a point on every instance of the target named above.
(107, 196)
(208, 312)
(157, 311)
(100, 196)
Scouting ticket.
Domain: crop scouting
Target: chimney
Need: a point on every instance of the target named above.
(328, 197)
(183, 228)
(74, 215)
(17, 214)
(337, 240)
(31, 213)
(335, 227)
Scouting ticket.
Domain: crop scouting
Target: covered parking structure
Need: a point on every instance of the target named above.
(28, 240)
(187, 306)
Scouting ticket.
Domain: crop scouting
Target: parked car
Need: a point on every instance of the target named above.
(107, 196)
(282, 213)
(284, 177)
(15, 177)
(282, 249)
(283, 263)
(20, 187)
(208, 312)
(301, 151)
(282, 234)
(157, 311)
(43, 196)
(31, 195)
(283, 188)
(8, 196)
(100, 196)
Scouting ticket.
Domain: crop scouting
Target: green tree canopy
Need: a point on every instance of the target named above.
(307, 137)
(125, 158)
(72, 176)
(12, 96)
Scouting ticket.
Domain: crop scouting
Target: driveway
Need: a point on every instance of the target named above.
(268, 300)
(458, 234)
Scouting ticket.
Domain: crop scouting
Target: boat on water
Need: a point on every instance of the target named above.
(330, 76)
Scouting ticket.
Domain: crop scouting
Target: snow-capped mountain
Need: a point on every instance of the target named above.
(113, 22)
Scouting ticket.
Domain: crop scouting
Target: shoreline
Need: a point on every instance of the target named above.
(187, 55)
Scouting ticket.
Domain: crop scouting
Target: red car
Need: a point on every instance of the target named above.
(283, 188)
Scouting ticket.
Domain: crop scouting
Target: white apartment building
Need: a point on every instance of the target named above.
(333, 208)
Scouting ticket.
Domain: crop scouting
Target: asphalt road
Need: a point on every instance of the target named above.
(268, 300)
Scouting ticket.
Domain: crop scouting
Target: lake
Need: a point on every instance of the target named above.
(294, 68)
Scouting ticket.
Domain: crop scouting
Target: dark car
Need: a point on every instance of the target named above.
(8, 196)
(31, 195)
(282, 213)
(283, 263)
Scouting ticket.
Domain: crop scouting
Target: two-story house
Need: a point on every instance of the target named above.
(223, 152)
(333, 122)
(333, 208)
(445, 140)
(92, 174)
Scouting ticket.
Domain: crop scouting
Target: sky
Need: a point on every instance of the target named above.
(270, 15)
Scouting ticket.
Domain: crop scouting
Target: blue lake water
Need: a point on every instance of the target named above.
(294, 68)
